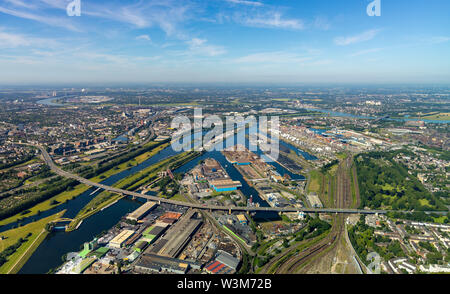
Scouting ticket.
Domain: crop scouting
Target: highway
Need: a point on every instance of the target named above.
(63, 173)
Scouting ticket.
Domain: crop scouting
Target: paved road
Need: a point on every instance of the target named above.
(63, 173)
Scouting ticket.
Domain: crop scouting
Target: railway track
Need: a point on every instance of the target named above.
(342, 199)
(293, 264)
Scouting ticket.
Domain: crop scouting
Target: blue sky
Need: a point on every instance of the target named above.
(224, 41)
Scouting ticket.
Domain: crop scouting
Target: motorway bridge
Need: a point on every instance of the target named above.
(230, 209)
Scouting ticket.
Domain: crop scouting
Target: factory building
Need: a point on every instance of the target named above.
(140, 247)
(151, 263)
(217, 268)
(242, 219)
(177, 237)
(227, 259)
(170, 217)
(88, 247)
(133, 239)
(224, 185)
(224, 263)
(120, 239)
(153, 232)
(141, 211)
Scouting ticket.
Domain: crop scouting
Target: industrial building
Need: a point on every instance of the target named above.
(242, 219)
(217, 268)
(120, 239)
(170, 215)
(224, 263)
(239, 155)
(149, 263)
(140, 247)
(88, 247)
(141, 211)
(227, 259)
(133, 238)
(224, 185)
(211, 175)
(153, 232)
(248, 163)
(177, 237)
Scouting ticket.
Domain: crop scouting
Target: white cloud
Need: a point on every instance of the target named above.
(53, 21)
(8, 40)
(321, 23)
(164, 14)
(273, 57)
(25, 60)
(270, 20)
(200, 47)
(245, 2)
(43, 53)
(61, 4)
(20, 3)
(367, 51)
(365, 36)
(144, 38)
(322, 62)
(11, 40)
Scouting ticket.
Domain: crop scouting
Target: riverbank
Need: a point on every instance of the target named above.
(305, 153)
(132, 182)
(81, 188)
(92, 209)
(23, 253)
(47, 204)
(48, 255)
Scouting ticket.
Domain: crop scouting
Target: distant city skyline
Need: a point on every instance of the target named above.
(224, 41)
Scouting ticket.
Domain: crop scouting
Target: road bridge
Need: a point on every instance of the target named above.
(63, 173)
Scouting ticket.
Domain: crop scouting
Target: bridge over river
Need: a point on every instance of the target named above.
(230, 209)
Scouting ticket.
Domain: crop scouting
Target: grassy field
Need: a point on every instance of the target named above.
(437, 116)
(440, 220)
(354, 200)
(178, 197)
(81, 188)
(24, 252)
(46, 205)
(314, 182)
(152, 171)
(332, 187)
(342, 155)
(333, 169)
(132, 162)
(424, 202)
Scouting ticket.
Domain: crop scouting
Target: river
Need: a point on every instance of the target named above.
(49, 102)
(343, 114)
(48, 255)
